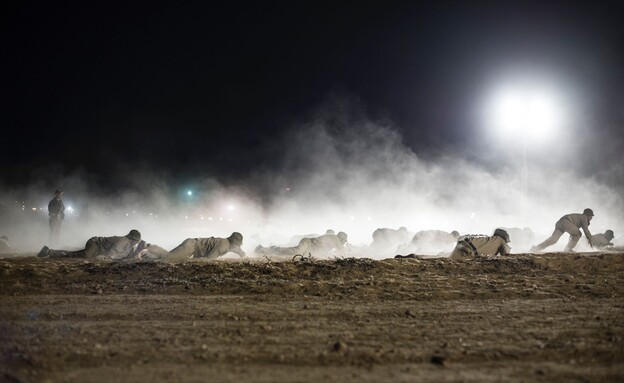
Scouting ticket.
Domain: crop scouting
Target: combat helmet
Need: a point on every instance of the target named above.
(588, 212)
(134, 235)
(236, 237)
(609, 235)
(342, 235)
(503, 234)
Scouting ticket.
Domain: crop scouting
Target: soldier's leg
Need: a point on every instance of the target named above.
(303, 247)
(57, 232)
(274, 250)
(458, 254)
(51, 222)
(91, 249)
(183, 251)
(66, 254)
(550, 240)
(76, 254)
(575, 235)
(154, 252)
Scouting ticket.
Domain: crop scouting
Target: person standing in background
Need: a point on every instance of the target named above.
(56, 211)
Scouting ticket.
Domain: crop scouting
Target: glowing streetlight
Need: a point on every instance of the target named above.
(525, 111)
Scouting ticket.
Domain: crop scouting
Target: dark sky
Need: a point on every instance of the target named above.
(204, 88)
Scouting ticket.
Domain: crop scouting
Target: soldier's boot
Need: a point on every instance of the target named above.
(44, 253)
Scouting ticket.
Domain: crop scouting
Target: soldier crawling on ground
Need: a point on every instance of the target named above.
(325, 245)
(386, 241)
(295, 239)
(477, 245)
(523, 237)
(115, 247)
(430, 241)
(192, 248)
(602, 241)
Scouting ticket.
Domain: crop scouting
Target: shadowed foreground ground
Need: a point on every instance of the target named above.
(552, 317)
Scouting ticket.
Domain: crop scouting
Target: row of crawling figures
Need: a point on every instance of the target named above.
(132, 247)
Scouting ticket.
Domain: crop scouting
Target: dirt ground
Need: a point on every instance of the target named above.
(523, 318)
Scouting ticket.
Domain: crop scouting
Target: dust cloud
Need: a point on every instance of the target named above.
(340, 169)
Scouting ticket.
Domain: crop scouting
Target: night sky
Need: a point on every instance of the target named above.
(204, 89)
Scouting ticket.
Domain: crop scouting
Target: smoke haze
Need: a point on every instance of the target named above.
(340, 169)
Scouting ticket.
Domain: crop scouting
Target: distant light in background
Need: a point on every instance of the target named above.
(189, 193)
(526, 108)
(525, 111)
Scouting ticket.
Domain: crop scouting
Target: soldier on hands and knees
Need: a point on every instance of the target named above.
(471, 245)
(569, 223)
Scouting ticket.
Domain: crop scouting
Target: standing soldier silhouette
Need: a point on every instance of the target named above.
(56, 211)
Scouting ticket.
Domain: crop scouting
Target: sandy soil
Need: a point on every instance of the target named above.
(524, 318)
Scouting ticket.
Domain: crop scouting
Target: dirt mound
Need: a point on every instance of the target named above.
(547, 317)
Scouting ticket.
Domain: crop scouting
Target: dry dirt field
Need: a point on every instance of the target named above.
(523, 318)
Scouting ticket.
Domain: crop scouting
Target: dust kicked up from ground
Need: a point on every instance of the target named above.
(552, 317)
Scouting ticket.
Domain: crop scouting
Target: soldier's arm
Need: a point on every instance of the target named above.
(238, 251)
(216, 249)
(121, 249)
(588, 234)
(134, 252)
(504, 249)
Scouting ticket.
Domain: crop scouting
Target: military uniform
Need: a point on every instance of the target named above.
(319, 246)
(209, 248)
(431, 240)
(601, 241)
(388, 240)
(569, 223)
(480, 245)
(112, 247)
(150, 251)
(56, 212)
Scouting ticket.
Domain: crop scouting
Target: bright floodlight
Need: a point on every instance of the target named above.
(189, 193)
(526, 111)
